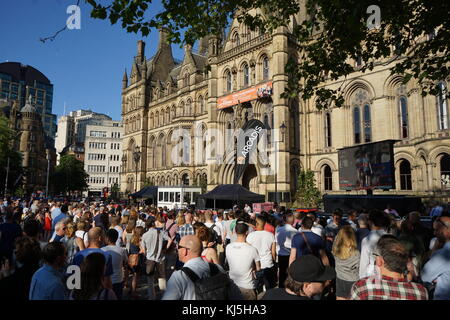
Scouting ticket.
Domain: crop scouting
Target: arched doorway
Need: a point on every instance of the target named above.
(250, 178)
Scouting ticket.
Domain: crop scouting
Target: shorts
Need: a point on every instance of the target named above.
(343, 288)
(152, 266)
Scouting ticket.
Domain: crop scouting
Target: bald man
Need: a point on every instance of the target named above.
(437, 270)
(96, 237)
(179, 286)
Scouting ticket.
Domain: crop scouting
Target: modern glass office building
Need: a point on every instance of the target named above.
(18, 82)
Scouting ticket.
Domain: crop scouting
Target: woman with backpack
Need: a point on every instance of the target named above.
(135, 259)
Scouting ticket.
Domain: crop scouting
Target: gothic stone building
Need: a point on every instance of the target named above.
(216, 88)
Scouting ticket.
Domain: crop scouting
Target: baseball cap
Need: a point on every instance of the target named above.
(310, 269)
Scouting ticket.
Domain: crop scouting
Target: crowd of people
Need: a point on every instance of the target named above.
(189, 254)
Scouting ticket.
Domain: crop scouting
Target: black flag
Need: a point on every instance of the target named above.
(246, 145)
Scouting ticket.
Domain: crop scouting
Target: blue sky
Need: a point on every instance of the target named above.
(85, 66)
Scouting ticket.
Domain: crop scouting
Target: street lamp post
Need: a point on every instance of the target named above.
(48, 172)
(282, 131)
(136, 158)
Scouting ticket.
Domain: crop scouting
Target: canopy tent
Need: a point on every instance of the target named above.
(146, 193)
(225, 195)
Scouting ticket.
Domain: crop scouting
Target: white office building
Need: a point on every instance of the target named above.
(72, 128)
(102, 157)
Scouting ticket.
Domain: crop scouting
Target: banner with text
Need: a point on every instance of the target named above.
(259, 91)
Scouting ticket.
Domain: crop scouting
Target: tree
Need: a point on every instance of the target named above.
(307, 195)
(114, 193)
(69, 175)
(415, 33)
(7, 151)
(201, 182)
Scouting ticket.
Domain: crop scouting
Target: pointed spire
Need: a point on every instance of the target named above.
(125, 79)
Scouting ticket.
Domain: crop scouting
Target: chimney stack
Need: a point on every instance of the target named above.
(140, 51)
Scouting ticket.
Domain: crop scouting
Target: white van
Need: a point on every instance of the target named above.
(178, 197)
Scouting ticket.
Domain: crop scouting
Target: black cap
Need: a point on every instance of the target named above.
(310, 269)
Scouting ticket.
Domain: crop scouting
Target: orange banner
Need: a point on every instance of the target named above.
(262, 90)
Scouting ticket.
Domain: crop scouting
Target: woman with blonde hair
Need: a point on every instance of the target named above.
(128, 233)
(180, 219)
(347, 258)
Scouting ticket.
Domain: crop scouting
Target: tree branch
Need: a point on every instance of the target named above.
(53, 37)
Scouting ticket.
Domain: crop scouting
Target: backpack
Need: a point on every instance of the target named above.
(214, 287)
(216, 237)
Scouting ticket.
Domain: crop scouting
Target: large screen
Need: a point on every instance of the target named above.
(367, 166)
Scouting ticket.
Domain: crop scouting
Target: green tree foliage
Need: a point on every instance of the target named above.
(69, 176)
(333, 34)
(307, 195)
(114, 192)
(7, 137)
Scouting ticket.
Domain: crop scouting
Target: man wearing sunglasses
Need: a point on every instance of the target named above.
(390, 282)
(436, 272)
(180, 286)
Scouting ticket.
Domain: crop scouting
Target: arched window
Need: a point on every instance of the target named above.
(405, 175)
(442, 106)
(295, 171)
(357, 125)
(327, 129)
(403, 105)
(186, 79)
(229, 80)
(157, 118)
(246, 75)
(362, 128)
(236, 39)
(188, 108)
(367, 124)
(327, 178)
(185, 179)
(201, 104)
(445, 171)
(265, 68)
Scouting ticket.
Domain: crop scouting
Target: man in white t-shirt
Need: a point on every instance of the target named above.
(119, 259)
(283, 236)
(243, 259)
(317, 228)
(264, 242)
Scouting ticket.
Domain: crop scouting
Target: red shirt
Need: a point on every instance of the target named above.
(48, 224)
(269, 227)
